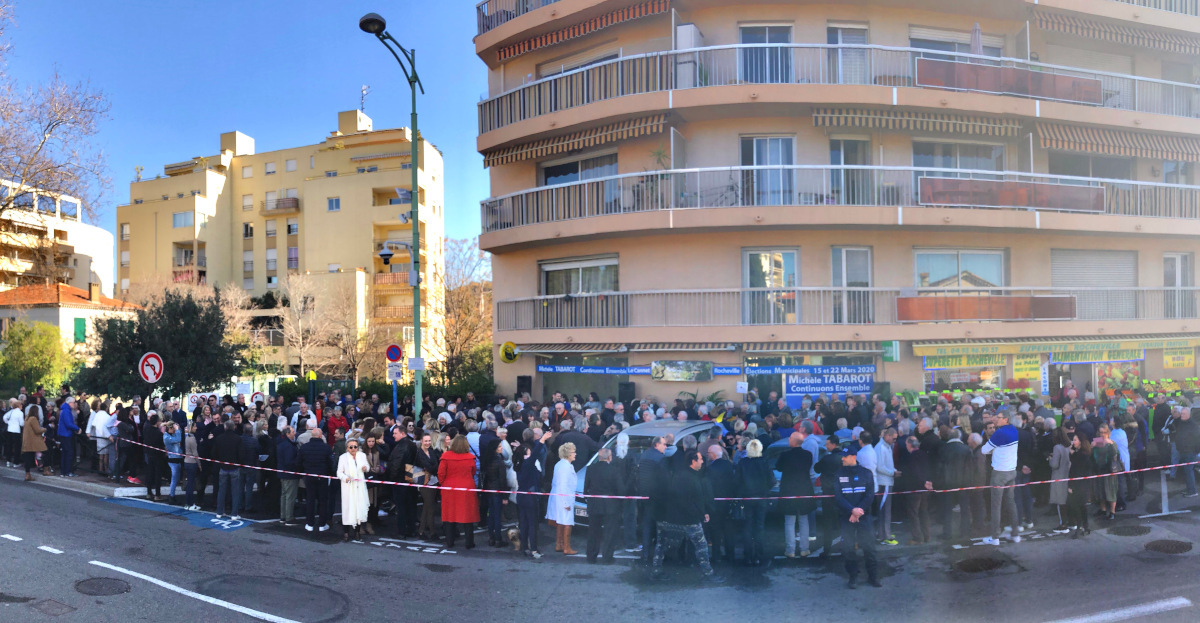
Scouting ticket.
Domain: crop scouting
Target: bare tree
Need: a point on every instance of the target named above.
(354, 344)
(467, 282)
(47, 134)
(305, 324)
(235, 305)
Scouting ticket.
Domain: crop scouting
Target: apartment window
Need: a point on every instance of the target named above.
(271, 228)
(182, 219)
(952, 41)
(334, 204)
(847, 65)
(967, 156)
(291, 193)
(289, 165)
(770, 271)
(370, 169)
(958, 268)
(293, 258)
(137, 202)
(124, 259)
(269, 168)
(293, 227)
(579, 169)
(404, 195)
(581, 276)
(24, 201)
(124, 231)
(247, 172)
(1085, 165)
(852, 270)
(46, 204)
(247, 202)
(312, 162)
(272, 258)
(68, 209)
(125, 284)
(272, 282)
(333, 268)
(331, 174)
(247, 230)
(272, 197)
(248, 261)
(1177, 172)
(773, 186)
(765, 64)
(248, 283)
(80, 330)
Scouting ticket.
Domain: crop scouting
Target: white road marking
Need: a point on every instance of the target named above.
(1121, 614)
(11, 537)
(263, 616)
(47, 548)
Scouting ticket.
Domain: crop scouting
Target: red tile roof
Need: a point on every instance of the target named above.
(56, 295)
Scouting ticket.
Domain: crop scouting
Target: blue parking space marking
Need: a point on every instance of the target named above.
(200, 519)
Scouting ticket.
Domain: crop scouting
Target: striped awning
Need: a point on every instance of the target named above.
(637, 11)
(1118, 142)
(1117, 33)
(1031, 345)
(526, 349)
(633, 128)
(811, 347)
(654, 347)
(914, 121)
(390, 154)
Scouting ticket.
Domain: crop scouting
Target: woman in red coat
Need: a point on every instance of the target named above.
(457, 469)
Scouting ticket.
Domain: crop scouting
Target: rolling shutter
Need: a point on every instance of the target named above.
(1079, 271)
(954, 36)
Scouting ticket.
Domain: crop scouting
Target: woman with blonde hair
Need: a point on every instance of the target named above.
(352, 471)
(560, 509)
(755, 480)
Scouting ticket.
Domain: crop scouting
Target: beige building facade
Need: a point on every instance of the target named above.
(808, 197)
(247, 219)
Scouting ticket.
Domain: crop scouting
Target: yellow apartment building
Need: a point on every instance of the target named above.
(247, 219)
(44, 241)
(826, 196)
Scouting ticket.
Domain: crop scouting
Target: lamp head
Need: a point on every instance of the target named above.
(386, 255)
(372, 23)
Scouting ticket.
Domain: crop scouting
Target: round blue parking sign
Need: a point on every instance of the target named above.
(394, 353)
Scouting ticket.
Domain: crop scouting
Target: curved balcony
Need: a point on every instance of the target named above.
(490, 14)
(746, 307)
(821, 185)
(871, 65)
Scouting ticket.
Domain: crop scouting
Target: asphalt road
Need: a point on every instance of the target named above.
(172, 565)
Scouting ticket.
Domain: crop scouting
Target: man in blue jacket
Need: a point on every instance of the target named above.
(66, 436)
(853, 493)
(287, 457)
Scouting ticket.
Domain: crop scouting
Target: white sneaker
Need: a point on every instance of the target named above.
(220, 517)
(1006, 530)
(1029, 526)
(323, 528)
(537, 555)
(1016, 538)
(990, 541)
(308, 527)
(236, 518)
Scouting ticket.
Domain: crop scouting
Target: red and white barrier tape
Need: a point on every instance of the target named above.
(642, 497)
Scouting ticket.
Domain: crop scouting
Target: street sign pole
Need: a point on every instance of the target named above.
(394, 406)
(394, 354)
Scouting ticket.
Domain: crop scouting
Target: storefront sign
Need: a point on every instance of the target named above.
(1176, 358)
(1027, 367)
(1051, 347)
(891, 351)
(802, 381)
(1099, 356)
(628, 370)
(949, 362)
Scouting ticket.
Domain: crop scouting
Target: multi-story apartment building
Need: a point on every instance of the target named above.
(815, 196)
(44, 241)
(250, 219)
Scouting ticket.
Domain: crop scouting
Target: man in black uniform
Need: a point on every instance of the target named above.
(854, 490)
(828, 467)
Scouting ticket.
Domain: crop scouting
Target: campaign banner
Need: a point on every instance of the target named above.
(760, 370)
(619, 370)
(803, 381)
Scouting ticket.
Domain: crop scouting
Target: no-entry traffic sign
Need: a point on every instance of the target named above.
(394, 353)
(150, 367)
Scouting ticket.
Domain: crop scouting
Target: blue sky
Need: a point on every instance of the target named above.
(179, 73)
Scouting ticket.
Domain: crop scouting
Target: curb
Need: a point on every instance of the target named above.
(76, 484)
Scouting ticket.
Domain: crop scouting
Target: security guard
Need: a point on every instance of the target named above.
(853, 492)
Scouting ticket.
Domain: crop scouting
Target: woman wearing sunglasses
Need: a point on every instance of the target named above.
(352, 471)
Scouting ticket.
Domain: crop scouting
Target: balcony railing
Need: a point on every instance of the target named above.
(843, 306)
(394, 311)
(492, 13)
(286, 204)
(293, 263)
(184, 262)
(391, 279)
(1187, 7)
(835, 64)
(819, 185)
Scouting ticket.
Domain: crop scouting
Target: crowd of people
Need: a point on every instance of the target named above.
(830, 466)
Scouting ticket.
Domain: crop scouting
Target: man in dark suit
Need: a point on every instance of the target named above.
(723, 479)
(604, 515)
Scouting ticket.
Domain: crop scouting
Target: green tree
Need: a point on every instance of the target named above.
(185, 330)
(34, 354)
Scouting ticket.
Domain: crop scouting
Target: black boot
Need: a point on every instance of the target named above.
(470, 536)
(450, 530)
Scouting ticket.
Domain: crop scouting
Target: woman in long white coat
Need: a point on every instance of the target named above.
(560, 510)
(352, 471)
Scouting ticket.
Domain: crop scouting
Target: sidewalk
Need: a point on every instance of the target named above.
(84, 482)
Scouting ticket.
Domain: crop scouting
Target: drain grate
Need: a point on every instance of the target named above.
(102, 587)
(1168, 546)
(1129, 530)
(978, 565)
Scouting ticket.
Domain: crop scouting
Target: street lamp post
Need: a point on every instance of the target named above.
(373, 23)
